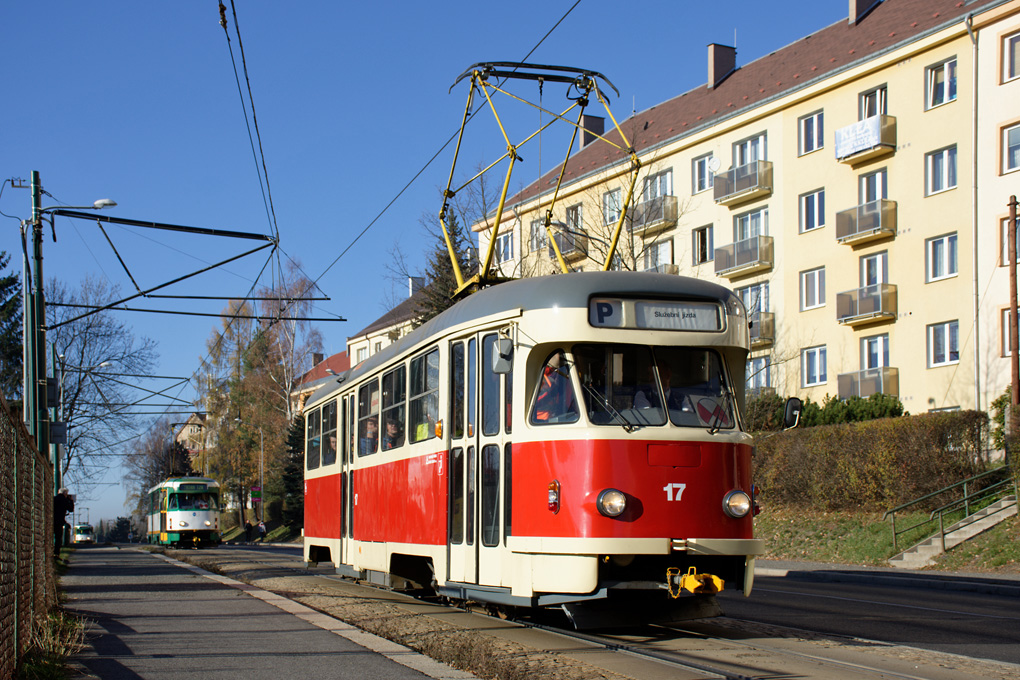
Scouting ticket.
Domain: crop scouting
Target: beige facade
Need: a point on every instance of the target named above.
(844, 186)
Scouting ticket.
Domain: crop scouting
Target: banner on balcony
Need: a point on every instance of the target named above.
(861, 136)
(655, 315)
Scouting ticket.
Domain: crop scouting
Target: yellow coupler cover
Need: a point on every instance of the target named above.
(699, 584)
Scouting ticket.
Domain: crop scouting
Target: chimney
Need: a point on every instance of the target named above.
(317, 358)
(414, 284)
(722, 61)
(859, 8)
(591, 126)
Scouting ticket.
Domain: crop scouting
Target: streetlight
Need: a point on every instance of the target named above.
(36, 408)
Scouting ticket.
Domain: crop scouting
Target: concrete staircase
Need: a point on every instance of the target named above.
(922, 554)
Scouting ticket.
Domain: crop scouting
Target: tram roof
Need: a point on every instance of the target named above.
(540, 292)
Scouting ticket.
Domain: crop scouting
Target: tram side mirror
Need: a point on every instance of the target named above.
(792, 415)
(503, 357)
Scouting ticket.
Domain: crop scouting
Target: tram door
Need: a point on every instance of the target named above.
(346, 477)
(479, 462)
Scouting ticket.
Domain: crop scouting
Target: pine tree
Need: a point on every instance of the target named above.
(441, 283)
(10, 332)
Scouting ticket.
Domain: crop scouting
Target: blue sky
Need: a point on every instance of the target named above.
(138, 102)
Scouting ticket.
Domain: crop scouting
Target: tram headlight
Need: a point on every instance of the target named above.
(208, 523)
(611, 502)
(182, 523)
(736, 504)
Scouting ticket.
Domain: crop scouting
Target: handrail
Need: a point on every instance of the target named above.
(965, 502)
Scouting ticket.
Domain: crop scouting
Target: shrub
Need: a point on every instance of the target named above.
(764, 413)
(869, 465)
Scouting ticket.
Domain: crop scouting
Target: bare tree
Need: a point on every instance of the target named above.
(92, 353)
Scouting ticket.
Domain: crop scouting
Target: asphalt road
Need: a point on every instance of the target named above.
(978, 625)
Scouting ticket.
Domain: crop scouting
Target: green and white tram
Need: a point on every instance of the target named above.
(185, 511)
(83, 533)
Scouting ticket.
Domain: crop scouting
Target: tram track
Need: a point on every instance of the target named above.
(717, 648)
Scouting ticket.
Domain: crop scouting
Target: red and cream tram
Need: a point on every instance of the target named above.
(567, 441)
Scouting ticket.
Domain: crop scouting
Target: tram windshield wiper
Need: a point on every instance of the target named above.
(721, 415)
(618, 417)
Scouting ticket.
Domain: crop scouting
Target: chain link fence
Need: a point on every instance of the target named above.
(27, 583)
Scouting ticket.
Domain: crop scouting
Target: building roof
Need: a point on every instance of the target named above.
(836, 48)
(402, 313)
(337, 363)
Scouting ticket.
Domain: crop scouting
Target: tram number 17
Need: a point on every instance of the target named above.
(674, 491)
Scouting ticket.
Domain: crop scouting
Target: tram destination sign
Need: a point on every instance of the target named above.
(655, 314)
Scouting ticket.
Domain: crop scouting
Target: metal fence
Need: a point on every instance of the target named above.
(27, 583)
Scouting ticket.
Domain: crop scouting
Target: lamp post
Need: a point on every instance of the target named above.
(36, 407)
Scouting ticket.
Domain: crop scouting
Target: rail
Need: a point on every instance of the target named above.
(984, 493)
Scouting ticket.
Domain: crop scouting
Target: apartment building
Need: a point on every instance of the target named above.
(852, 187)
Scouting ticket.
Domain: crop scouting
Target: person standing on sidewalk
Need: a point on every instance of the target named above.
(247, 532)
(262, 531)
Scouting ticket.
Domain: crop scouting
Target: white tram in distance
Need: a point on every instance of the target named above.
(84, 533)
(185, 512)
(567, 441)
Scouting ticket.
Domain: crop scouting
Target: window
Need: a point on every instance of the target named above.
(875, 351)
(423, 404)
(755, 297)
(611, 207)
(812, 289)
(873, 103)
(377, 347)
(505, 247)
(874, 269)
(574, 219)
(313, 429)
(1011, 148)
(812, 210)
(758, 374)
(1007, 346)
(751, 224)
(329, 433)
(554, 401)
(944, 344)
(658, 254)
(394, 386)
(940, 255)
(749, 150)
(812, 366)
(539, 238)
(940, 83)
(873, 187)
(940, 170)
(702, 245)
(362, 354)
(368, 418)
(1004, 242)
(1011, 57)
(702, 174)
(811, 133)
(659, 184)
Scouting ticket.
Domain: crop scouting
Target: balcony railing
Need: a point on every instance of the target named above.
(743, 183)
(866, 305)
(744, 257)
(763, 328)
(866, 222)
(654, 214)
(868, 382)
(866, 139)
(571, 245)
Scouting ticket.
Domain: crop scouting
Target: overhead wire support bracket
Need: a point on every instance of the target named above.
(582, 84)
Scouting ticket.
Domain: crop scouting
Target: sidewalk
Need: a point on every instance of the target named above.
(1007, 585)
(151, 617)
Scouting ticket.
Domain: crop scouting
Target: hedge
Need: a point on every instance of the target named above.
(873, 465)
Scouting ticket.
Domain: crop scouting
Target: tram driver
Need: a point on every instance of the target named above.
(555, 402)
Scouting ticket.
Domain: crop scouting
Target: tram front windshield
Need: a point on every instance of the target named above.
(194, 501)
(640, 385)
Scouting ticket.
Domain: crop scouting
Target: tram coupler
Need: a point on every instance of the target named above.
(692, 581)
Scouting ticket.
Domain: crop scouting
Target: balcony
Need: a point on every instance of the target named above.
(572, 246)
(744, 257)
(867, 222)
(763, 329)
(868, 382)
(743, 183)
(869, 304)
(654, 215)
(867, 139)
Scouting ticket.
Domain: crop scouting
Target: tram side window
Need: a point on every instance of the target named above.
(472, 385)
(554, 401)
(490, 387)
(368, 419)
(457, 391)
(312, 442)
(351, 430)
(457, 495)
(394, 392)
(329, 433)
(490, 495)
(424, 397)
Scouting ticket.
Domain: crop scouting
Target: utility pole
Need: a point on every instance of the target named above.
(1014, 403)
(37, 367)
